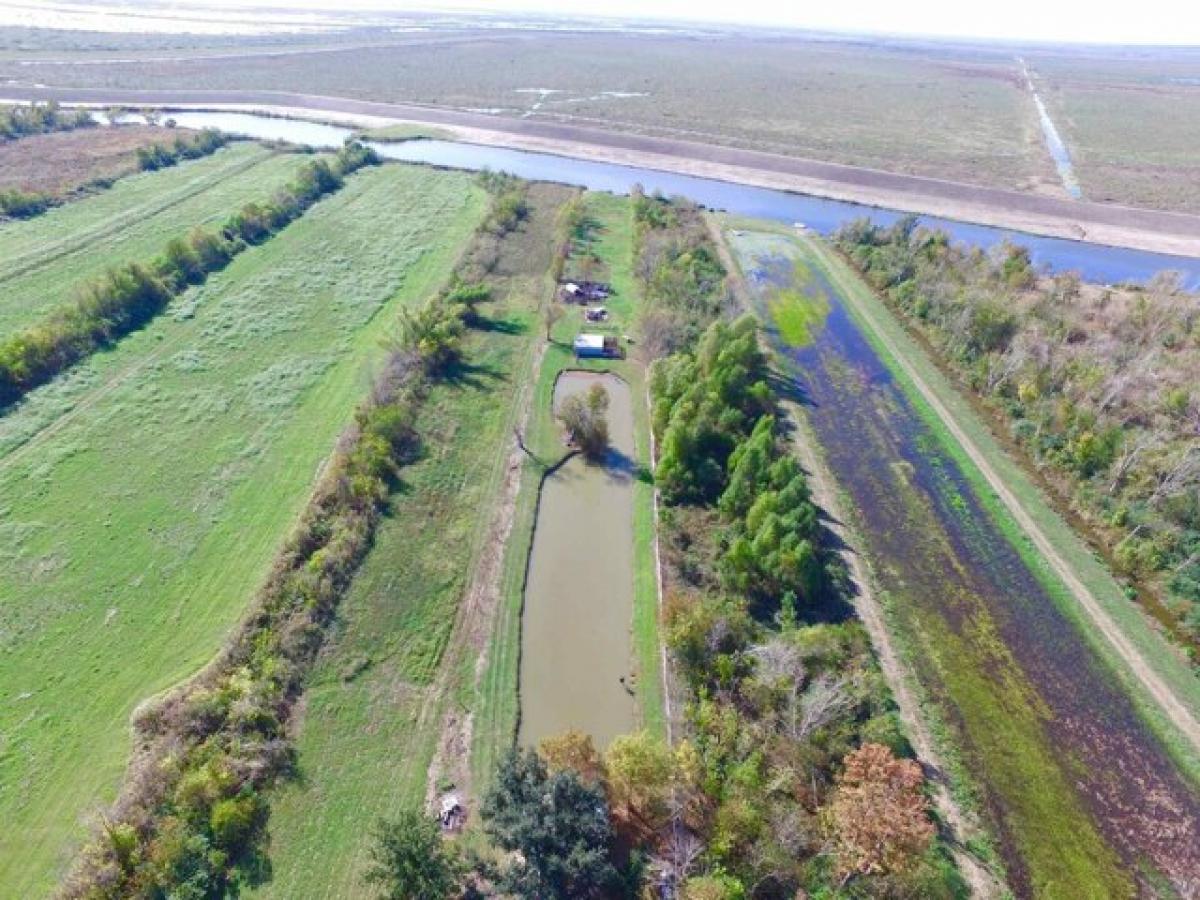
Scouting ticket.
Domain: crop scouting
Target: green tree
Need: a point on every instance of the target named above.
(410, 861)
(556, 822)
(585, 416)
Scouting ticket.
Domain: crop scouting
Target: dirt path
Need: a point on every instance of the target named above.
(1155, 687)
(1143, 229)
(476, 616)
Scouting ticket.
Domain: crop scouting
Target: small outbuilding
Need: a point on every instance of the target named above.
(596, 346)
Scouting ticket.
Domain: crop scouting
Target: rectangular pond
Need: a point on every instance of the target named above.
(576, 647)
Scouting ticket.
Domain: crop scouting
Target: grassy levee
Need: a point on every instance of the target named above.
(47, 257)
(376, 701)
(888, 335)
(497, 711)
(146, 492)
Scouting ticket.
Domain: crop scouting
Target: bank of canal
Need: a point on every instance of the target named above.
(1095, 262)
(1084, 798)
(576, 652)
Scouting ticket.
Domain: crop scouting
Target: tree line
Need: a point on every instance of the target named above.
(1100, 385)
(160, 156)
(40, 118)
(126, 297)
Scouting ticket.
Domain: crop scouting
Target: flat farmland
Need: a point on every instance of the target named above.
(46, 257)
(1132, 124)
(146, 493)
(907, 109)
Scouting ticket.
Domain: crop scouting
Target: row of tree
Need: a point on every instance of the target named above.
(160, 156)
(40, 118)
(683, 281)
(126, 297)
(1100, 384)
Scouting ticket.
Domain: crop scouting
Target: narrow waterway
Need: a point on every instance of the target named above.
(576, 648)
(1054, 142)
(1094, 262)
(1083, 796)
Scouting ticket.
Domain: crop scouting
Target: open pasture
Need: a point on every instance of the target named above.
(46, 257)
(1132, 123)
(146, 492)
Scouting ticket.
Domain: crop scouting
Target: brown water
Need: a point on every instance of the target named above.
(575, 630)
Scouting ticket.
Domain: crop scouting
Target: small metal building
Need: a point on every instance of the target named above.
(590, 345)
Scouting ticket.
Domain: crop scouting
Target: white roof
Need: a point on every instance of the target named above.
(589, 342)
(571, 287)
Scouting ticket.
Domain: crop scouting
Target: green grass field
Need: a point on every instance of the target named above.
(45, 258)
(146, 493)
(375, 705)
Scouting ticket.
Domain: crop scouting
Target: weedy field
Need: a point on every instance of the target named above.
(1132, 123)
(62, 162)
(147, 491)
(909, 109)
(47, 257)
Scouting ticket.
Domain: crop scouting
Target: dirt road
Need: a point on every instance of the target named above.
(1142, 229)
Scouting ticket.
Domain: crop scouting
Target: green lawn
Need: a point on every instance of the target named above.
(375, 705)
(46, 257)
(146, 493)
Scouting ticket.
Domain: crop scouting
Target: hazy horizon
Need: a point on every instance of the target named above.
(1154, 23)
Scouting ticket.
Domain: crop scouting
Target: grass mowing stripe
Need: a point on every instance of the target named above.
(45, 282)
(135, 536)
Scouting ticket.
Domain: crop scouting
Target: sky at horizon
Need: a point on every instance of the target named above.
(1169, 22)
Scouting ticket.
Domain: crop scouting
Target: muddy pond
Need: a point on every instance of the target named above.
(576, 651)
(1078, 789)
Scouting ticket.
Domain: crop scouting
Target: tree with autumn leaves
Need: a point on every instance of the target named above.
(879, 815)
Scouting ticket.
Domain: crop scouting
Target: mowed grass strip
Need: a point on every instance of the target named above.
(375, 706)
(46, 258)
(146, 493)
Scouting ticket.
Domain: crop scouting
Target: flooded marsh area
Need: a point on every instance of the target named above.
(1079, 792)
(576, 651)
